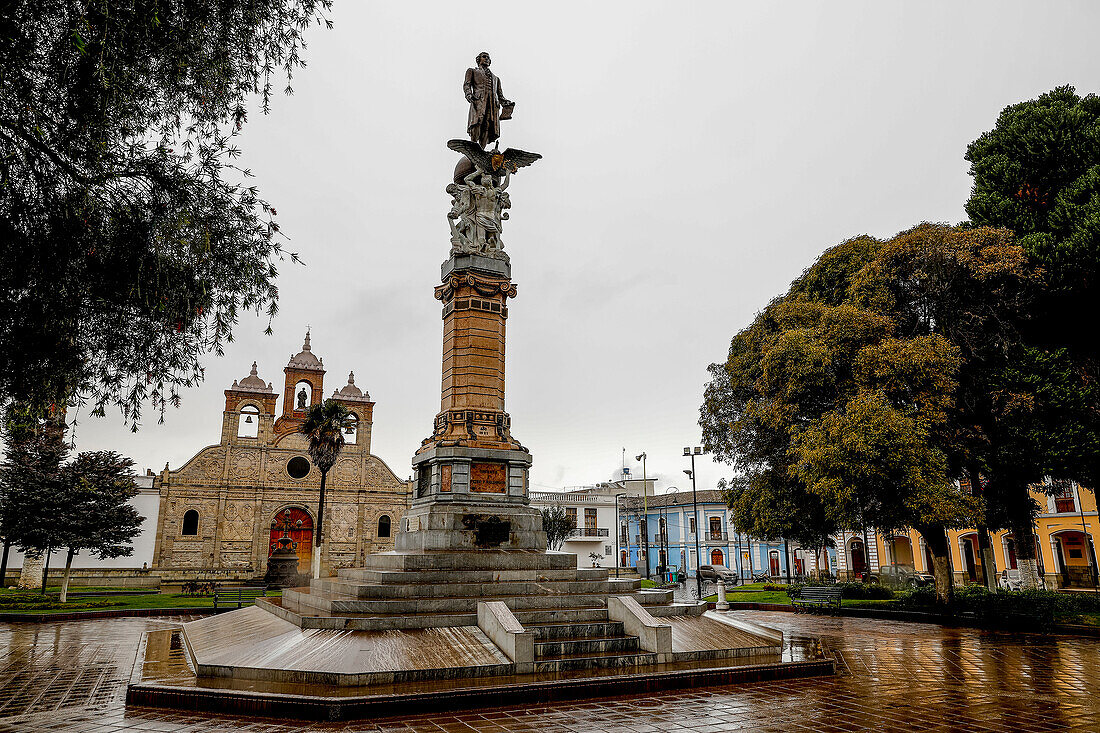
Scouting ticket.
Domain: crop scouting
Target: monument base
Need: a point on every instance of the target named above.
(453, 629)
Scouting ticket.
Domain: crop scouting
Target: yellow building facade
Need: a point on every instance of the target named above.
(1065, 531)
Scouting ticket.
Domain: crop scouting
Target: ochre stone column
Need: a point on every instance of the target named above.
(475, 309)
(471, 474)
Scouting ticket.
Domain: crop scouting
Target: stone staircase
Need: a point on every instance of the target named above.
(429, 590)
(563, 647)
(415, 617)
(563, 607)
(412, 617)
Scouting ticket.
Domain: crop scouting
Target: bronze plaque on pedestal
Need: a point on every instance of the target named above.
(489, 478)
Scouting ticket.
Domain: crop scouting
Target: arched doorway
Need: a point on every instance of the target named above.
(301, 531)
(622, 559)
(717, 558)
(859, 560)
(970, 554)
(773, 563)
(1074, 558)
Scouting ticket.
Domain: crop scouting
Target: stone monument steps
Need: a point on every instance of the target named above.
(550, 631)
(339, 603)
(623, 585)
(464, 560)
(356, 589)
(593, 660)
(530, 616)
(419, 577)
(678, 608)
(586, 646)
(306, 617)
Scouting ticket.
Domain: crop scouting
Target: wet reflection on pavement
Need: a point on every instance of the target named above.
(71, 676)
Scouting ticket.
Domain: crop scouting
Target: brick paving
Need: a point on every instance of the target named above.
(71, 676)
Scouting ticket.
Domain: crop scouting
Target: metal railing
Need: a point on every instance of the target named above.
(720, 536)
(590, 532)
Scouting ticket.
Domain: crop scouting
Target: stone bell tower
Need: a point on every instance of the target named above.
(471, 474)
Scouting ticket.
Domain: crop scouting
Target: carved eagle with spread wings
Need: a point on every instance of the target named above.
(493, 162)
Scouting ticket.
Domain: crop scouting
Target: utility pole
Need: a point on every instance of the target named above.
(645, 512)
(695, 509)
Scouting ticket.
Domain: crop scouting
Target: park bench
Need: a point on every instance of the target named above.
(813, 596)
(225, 598)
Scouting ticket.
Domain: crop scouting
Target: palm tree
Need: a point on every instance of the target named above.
(324, 428)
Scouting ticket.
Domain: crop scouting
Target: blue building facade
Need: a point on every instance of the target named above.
(668, 526)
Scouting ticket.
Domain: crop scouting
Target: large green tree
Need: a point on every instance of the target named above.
(130, 240)
(852, 388)
(97, 487)
(34, 497)
(1037, 172)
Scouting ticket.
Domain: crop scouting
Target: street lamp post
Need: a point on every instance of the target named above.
(645, 513)
(618, 552)
(695, 509)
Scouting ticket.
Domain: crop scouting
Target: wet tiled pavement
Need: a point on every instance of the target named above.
(71, 676)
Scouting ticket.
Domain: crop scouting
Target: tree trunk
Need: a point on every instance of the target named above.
(46, 568)
(787, 558)
(1024, 535)
(989, 563)
(318, 534)
(65, 578)
(936, 540)
(985, 547)
(4, 564)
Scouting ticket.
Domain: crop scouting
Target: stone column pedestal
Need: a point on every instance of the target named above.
(471, 474)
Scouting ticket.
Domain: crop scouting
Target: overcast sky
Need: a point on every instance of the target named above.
(697, 157)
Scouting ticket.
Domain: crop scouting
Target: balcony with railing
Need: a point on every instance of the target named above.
(581, 533)
(716, 536)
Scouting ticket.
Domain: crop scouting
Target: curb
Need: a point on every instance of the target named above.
(310, 707)
(921, 617)
(115, 613)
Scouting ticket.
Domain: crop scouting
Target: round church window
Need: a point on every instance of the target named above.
(297, 467)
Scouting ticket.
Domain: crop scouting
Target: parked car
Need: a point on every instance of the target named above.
(901, 576)
(714, 573)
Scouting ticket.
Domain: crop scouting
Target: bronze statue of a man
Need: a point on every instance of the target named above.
(487, 103)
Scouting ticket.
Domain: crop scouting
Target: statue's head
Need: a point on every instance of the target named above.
(483, 59)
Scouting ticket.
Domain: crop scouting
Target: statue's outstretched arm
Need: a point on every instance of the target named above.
(507, 179)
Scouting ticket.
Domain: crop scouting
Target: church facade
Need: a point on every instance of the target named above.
(222, 511)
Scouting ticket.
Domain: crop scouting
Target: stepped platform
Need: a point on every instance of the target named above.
(452, 627)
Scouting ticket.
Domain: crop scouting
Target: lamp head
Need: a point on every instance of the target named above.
(639, 457)
(698, 451)
(688, 472)
(687, 451)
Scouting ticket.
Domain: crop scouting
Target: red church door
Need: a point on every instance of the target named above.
(301, 532)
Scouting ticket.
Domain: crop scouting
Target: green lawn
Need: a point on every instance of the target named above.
(34, 602)
(754, 593)
(1085, 619)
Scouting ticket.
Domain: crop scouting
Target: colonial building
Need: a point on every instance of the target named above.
(613, 518)
(219, 511)
(667, 529)
(1065, 529)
